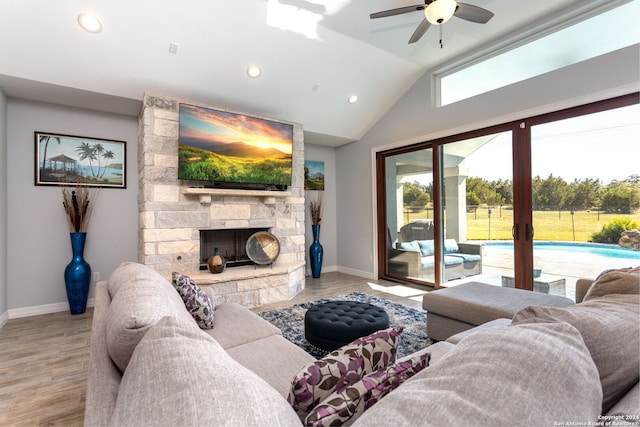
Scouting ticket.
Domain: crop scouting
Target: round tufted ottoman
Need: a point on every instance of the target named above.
(333, 324)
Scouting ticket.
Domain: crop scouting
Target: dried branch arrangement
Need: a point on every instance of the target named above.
(78, 204)
(316, 210)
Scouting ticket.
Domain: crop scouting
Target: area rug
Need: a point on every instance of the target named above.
(414, 337)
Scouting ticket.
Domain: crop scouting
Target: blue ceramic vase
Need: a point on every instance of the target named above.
(315, 252)
(77, 275)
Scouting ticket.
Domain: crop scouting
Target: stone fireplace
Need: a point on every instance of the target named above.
(173, 215)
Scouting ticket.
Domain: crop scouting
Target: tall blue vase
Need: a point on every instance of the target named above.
(315, 252)
(77, 275)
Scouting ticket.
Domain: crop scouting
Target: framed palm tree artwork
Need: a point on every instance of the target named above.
(76, 160)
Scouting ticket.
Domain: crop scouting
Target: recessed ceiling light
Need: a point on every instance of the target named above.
(90, 23)
(352, 99)
(254, 71)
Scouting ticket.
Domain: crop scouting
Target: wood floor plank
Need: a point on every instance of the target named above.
(43, 359)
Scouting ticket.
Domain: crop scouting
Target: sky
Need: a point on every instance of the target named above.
(604, 145)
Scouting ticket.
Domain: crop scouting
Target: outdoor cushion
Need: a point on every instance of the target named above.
(450, 246)
(411, 246)
(466, 257)
(428, 261)
(426, 247)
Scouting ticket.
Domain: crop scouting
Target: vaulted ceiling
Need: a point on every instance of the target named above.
(314, 54)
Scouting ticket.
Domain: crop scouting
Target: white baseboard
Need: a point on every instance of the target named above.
(364, 274)
(325, 269)
(4, 318)
(37, 310)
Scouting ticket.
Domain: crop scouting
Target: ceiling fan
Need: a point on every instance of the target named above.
(437, 12)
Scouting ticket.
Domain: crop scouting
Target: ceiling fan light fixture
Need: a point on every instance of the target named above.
(90, 23)
(440, 11)
(254, 71)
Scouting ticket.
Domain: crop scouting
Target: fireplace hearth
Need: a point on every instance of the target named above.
(231, 244)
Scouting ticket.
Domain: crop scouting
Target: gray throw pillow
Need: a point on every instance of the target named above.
(611, 331)
(522, 375)
(622, 281)
(140, 297)
(180, 376)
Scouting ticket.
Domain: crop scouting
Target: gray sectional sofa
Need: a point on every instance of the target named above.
(152, 365)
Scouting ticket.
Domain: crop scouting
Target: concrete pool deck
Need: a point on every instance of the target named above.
(498, 262)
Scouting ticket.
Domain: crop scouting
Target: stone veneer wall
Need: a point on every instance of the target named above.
(171, 215)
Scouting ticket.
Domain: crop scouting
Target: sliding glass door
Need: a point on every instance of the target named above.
(408, 219)
(477, 209)
(469, 207)
(585, 177)
(445, 204)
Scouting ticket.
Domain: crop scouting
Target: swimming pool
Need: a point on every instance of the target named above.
(610, 251)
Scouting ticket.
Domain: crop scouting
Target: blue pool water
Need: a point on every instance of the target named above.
(611, 251)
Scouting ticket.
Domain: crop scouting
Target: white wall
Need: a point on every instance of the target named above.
(38, 237)
(3, 209)
(328, 237)
(414, 119)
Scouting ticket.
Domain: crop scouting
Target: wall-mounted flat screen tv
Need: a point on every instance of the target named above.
(219, 148)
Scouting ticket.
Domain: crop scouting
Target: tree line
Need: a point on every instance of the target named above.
(551, 193)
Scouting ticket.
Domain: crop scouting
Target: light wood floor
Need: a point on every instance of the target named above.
(43, 359)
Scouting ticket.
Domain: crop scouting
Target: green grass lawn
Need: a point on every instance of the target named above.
(548, 225)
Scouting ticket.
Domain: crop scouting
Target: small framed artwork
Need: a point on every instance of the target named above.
(313, 175)
(76, 160)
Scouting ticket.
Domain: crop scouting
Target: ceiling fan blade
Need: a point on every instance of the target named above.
(398, 11)
(419, 32)
(473, 13)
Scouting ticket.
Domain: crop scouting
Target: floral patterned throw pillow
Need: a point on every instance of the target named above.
(342, 368)
(347, 405)
(196, 301)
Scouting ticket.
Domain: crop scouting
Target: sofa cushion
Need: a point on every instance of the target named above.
(411, 246)
(453, 260)
(622, 281)
(341, 368)
(426, 247)
(237, 325)
(197, 302)
(140, 297)
(611, 331)
(521, 375)
(346, 406)
(466, 257)
(285, 360)
(178, 375)
(450, 246)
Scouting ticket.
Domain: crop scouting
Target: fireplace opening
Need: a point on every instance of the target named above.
(231, 244)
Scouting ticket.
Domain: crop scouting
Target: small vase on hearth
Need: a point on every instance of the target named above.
(216, 262)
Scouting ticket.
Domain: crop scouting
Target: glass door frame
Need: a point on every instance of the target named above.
(438, 196)
(523, 231)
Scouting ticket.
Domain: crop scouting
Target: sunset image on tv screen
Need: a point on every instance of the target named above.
(224, 147)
